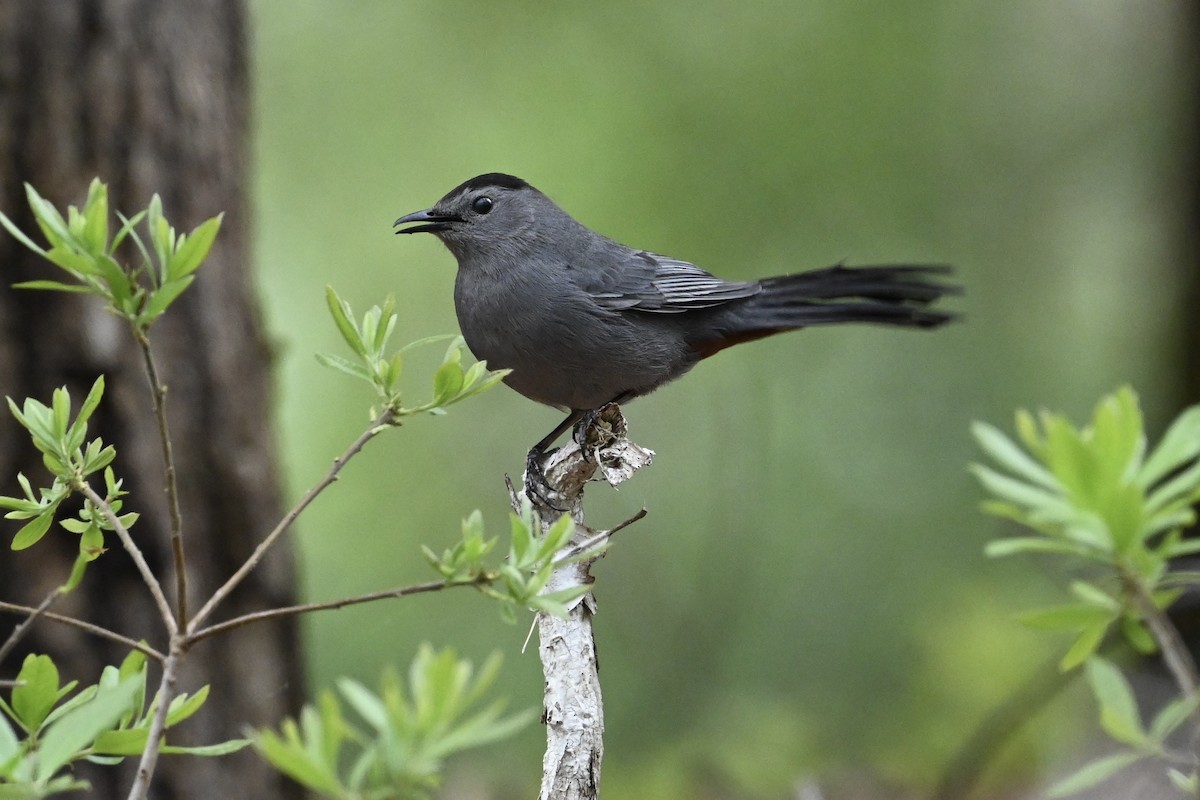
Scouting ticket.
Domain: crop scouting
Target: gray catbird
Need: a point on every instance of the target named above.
(583, 321)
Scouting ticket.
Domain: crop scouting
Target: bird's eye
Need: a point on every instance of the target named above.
(482, 205)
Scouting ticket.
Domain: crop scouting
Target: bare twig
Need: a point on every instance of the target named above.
(378, 425)
(159, 393)
(595, 541)
(158, 726)
(95, 630)
(156, 590)
(30, 617)
(287, 611)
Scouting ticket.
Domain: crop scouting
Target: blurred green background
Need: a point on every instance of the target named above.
(808, 596)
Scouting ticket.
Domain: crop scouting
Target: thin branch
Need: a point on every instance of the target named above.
(287, 611)
(24, 624)
(595, 541)
(1174, 651)
(378, 425)
(156, 590)
(95, 630)
(159, 393)
(158, 727)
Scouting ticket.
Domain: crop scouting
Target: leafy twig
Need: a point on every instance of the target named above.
(1174, 651)
(156, 590)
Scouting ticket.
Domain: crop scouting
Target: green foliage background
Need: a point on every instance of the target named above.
(808, 594)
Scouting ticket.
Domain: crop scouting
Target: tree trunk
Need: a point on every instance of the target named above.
(152, 97)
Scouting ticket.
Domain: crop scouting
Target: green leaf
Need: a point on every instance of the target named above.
(1069, 459)
(193, 249)
(340, 311)
(1117, 438)
(54, 228)
(217, 749)
(365, 702)
(447, 382)
(164, 296)
(76, 731)
(1138, 636)
(55, 464)
(130, 742)
(1182, 485)
(95, 212)
(1171, 716)
(9, 744)
(36, 691)
(1009, 455)
(556, 537)
(185, 706)
(61, 406)
(54, 286)
(1118, 708)
(483, 728)
(521, 543)
(1189, 784)
(119, 284)
(565, 597)
(288, 754)
(383, 331)
(127, 227)
(1067, 617)
(1014, 490)
(1122, 507)
(34, 530)
(1179, 445)
(17, 234)
(345, 365)
(1085, 644)
(1031, 544)
(1097, 771)
(89, 403)
(160, 233)
(66, 707)
(1094, 595)
(98, 458)
(441, 337)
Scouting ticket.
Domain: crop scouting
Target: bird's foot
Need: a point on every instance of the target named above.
(537, 487)
(597, 428)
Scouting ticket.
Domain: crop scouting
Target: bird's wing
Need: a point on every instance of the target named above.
(648, 282)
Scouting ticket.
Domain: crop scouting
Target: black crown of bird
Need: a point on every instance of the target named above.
(583, 321)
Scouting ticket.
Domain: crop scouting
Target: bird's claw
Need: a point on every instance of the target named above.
(582, 432)
(536, 485)
(579, 434)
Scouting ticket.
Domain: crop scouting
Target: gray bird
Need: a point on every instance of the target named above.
(583, 321)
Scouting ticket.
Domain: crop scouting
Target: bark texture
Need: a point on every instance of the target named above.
(152, 97)
(573, 709)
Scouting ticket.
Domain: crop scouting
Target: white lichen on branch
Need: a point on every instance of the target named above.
(573, 710)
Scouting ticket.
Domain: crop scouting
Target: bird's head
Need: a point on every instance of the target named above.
(489, 214)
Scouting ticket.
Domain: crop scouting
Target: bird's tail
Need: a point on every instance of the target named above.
(885, 295)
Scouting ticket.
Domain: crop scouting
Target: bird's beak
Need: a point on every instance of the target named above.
(431, 222)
